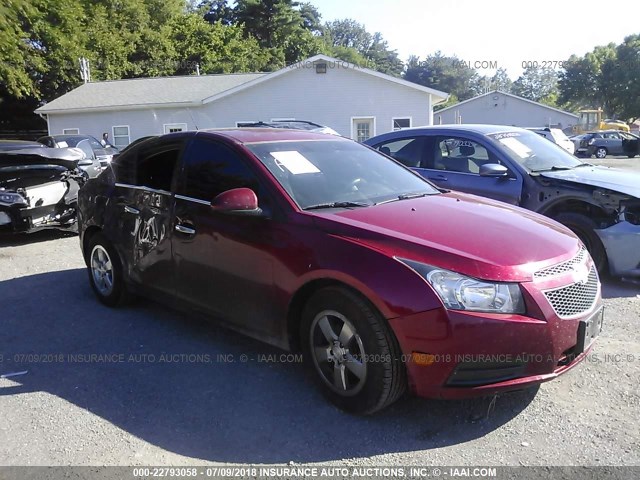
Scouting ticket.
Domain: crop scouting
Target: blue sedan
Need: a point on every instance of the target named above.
(601, 205)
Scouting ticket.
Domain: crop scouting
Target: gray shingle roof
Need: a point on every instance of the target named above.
(147, 91)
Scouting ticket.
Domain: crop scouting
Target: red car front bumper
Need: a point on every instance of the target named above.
(458, 354)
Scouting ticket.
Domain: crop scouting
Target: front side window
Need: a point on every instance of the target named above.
(211, 168)
(86, 148)
(456, 154)
(316, 173)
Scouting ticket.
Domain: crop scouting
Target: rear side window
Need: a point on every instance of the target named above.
(149, 165)
(155, 170)
(211, 168)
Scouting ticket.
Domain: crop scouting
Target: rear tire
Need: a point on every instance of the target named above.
(105, 272)
(584, 228)
(351, 351)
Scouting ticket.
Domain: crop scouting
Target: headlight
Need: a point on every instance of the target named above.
(592, 141)
(11, 198)
(459, 292)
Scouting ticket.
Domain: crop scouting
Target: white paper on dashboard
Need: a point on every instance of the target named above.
(295, 162)
(517, 146)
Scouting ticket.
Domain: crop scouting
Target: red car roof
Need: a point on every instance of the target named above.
(251, 135)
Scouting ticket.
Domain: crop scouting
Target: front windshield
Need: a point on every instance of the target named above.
(535, 153)
(337, 172)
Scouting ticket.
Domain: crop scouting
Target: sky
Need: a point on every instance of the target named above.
(490, 32)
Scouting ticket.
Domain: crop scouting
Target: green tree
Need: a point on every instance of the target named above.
(623, 76)
(537, 84)
(18, 57)
(311, 19)
(348, 33)
(448, 74)
(215, 11)
(215, 48)
(279, 28)
(373, 48)
(591, 81)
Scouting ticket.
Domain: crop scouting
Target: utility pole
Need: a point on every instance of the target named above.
(85, 70)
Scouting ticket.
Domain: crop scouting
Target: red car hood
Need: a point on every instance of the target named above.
(464, 233)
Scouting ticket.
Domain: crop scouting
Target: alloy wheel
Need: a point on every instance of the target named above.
(102, 270)
(338, 353)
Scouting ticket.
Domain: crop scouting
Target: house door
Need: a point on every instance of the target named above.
(362, 128)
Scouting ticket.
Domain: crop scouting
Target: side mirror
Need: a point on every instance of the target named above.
(493, 170)
(237, 201)
(85, 162)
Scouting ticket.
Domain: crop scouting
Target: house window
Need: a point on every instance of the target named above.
(70, 131)
(121, 136)
(362, 128)
(175, 127)
(402, 122)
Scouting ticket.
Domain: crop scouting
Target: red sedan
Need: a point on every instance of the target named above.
(310, 241)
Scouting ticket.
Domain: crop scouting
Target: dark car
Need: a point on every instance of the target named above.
(39, 189)
(315, 241)
(12, 145)
(104, 153)
(601, 205)
(608, 142)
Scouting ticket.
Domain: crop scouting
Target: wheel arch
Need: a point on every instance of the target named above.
(88, 234)
(574, 205)
(304, 294)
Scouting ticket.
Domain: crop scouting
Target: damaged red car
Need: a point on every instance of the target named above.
(313, 242)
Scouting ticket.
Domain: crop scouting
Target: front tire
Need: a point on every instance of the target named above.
(351, 351)
(601, 152)
(105, 272)
(585, 228)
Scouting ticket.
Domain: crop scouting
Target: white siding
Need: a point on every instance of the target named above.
(141, 122)
(330, 99)
(504, 110)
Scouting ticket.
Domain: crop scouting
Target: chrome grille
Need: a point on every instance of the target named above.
(576, 298)
(563, 267)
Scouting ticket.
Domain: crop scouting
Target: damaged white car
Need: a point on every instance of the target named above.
(39, 189)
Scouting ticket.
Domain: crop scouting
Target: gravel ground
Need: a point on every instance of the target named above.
(182, 410)
(165, 391)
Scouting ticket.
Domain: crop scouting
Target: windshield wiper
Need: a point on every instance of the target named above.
(320, 206)
(552, 169)
(404, 196)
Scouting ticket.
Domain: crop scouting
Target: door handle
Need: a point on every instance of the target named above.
(441, 178)
(129, 209)
(185, 230)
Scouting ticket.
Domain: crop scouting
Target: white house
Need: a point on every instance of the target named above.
(354, 101)
(500, 108)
